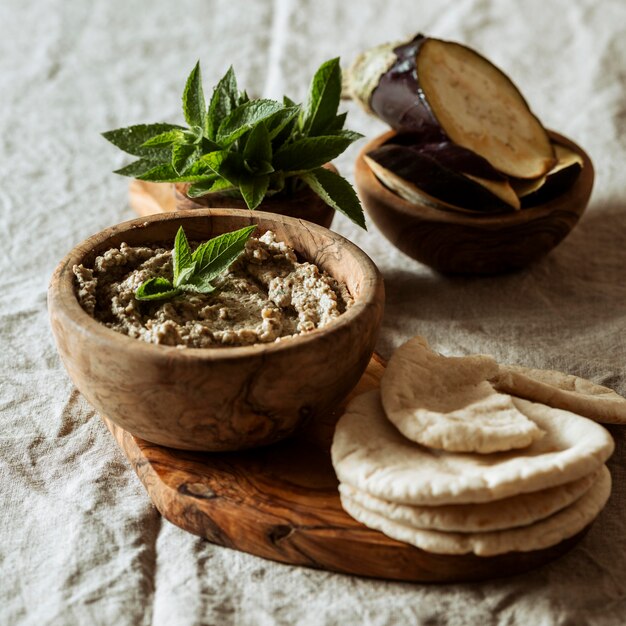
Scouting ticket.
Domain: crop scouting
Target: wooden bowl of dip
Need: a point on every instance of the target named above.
(222, 398)
(473, 243)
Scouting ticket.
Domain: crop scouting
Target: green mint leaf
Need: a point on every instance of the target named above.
(193, 136)
(167, 174)
(216, 162)
(165, 139)
(181, 258)
(156, 289)
(337, 124)
(132, 138)
(254, 189)
(351, 135)
(282, 121)
(243, 98)
(258, 146)
(214, 184)
(244, 118)
(227, 165)
(223, 102)
(218, 254)
(194, 106)
(309, 153)
(184, 156)
(209, 146)
(136, 168)
(288, 102)
(324, 96)
(336, 192)
(198, 284)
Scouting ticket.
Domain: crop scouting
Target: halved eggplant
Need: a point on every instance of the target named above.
(443, 88)
(418, 177)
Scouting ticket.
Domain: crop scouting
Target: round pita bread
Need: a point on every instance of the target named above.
(521, 510)
(542, 534)
(563, 391)
(448, 403)
(369, 454)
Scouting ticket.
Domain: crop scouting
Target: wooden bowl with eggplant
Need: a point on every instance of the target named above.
(468, 181)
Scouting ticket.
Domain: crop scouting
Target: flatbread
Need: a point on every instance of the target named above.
(370, 454)
(542, 534)
(448, 403)
(521, 510)
(563, 391)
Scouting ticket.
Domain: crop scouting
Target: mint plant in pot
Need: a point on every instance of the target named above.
(238, 152)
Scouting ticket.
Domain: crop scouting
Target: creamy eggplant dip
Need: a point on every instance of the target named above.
(265, 295)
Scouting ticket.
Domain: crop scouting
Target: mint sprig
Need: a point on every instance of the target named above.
(248, 147)
(195, 271)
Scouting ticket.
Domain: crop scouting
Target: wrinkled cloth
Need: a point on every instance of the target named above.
(80, 541)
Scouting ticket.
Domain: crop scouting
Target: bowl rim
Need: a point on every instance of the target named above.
(63, 301)
(584, 182)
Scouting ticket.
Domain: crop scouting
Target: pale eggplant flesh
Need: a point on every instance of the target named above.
(451, 93)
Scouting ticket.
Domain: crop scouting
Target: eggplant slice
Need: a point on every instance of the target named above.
(419, 178)
(560, 178)
(440, 87)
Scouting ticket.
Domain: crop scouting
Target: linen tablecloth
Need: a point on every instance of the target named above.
(80, 542)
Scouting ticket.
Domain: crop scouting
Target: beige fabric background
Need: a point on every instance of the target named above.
(80, 542)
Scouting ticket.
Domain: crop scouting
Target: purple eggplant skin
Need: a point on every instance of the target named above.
(448, 154)
(399, 100)
(422, 170)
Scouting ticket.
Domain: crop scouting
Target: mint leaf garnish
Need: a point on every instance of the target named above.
(181, 258)
(156, 289)
(217, 254)
(194, 272)
(198, 284)
(194, 107)
(337, 192)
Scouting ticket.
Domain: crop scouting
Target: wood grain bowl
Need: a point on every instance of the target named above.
(218, 398)
(461, 243)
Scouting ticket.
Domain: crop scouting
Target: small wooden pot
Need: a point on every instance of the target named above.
(304, 205)
(218, 398)
(462, 243)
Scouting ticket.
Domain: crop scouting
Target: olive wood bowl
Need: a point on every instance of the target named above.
(305, 204)
(222, 398)
(464, 243)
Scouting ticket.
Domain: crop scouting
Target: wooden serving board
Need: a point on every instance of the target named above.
(146, 198)
(281, 503)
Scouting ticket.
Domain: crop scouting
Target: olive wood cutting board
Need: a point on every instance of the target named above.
(281, 503)
(146, 198)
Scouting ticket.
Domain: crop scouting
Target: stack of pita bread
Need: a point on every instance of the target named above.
(461, 455)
